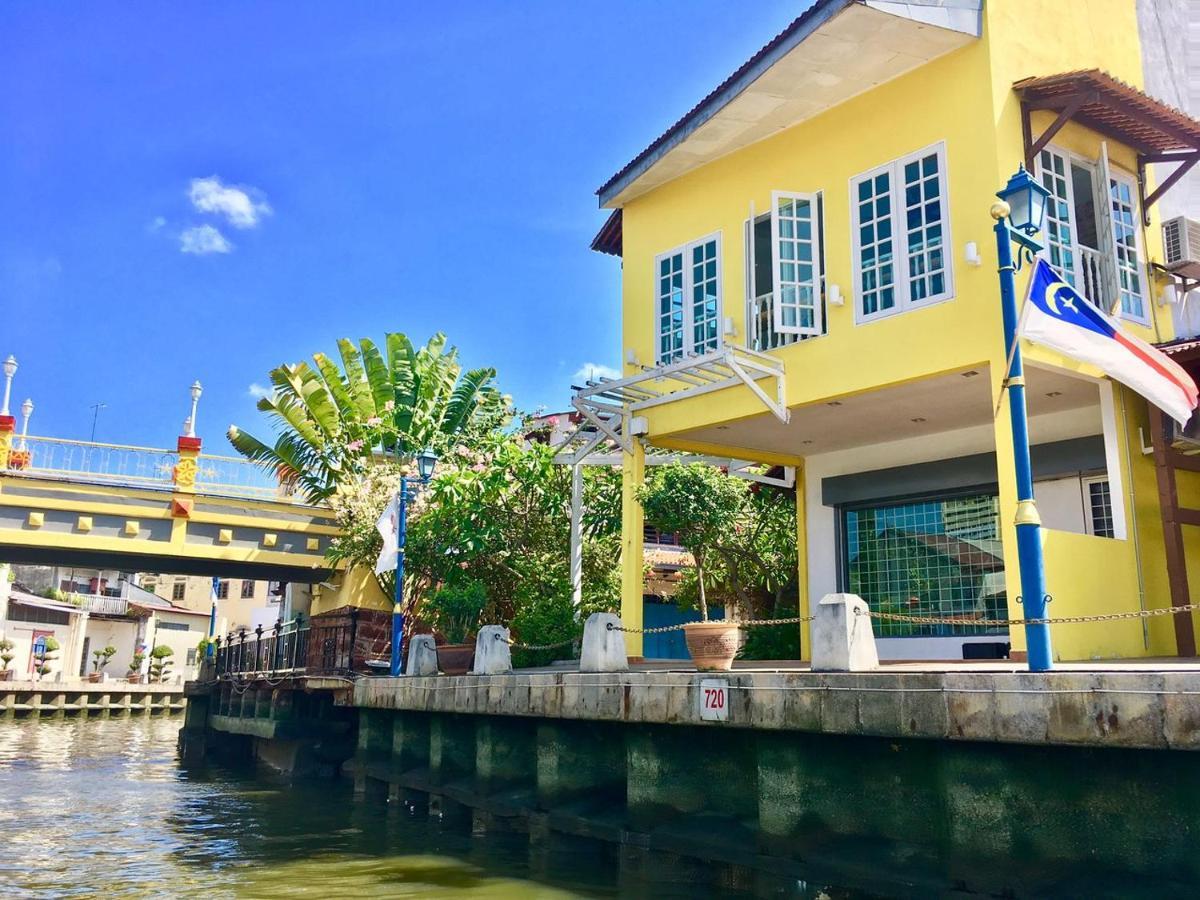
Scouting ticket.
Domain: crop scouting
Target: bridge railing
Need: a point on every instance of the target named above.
(132, 466)
(282, 649)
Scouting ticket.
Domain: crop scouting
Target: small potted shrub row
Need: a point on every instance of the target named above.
(100, 659)
(6, 657)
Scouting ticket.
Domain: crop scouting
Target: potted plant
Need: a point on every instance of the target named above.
(701, 505)
(100, 659)
(135, 667)
(160, 663)
(43, 655)
(6, 657)
(455, 611)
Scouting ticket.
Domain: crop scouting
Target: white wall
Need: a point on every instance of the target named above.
(119, 633)
(179, 641)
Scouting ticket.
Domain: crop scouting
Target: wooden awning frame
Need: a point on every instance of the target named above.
(1157, 132)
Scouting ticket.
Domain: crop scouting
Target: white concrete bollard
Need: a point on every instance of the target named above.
(603, 648)
(842, 637)
(422, 656)
(492, 653)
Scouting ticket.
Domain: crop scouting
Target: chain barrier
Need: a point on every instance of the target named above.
(517, 645)
(753, 623)
(1065, 620)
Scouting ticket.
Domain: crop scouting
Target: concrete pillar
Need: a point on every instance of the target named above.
(843, 639)
(451, 747)
(802, 573)
(262, 703)
(410, 740)
(492, 653)
(282, 704)
(374, 733)
(505, 752)
(579, 760)
(603, 648)
(672, 770)
(422, 656)
(633, 473)
(811, 793)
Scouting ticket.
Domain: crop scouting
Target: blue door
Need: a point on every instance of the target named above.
(669, 645)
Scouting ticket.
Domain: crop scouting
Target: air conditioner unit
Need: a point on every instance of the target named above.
(1181, 246)
(1184, 437)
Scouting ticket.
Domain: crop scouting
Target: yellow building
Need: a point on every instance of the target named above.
(809, 279)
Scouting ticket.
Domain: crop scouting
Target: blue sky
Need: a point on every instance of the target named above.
(208, 190)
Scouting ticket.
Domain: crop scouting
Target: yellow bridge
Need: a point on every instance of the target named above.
(154, 510)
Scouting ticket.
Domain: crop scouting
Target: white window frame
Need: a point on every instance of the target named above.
(900, 281)
(1103, 171)
(1089, 519)
(689, 342)
(1120, 176)
(778, 262)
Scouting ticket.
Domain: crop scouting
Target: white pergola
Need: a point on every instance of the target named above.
(610, 425)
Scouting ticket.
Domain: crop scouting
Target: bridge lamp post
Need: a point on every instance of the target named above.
(1019, 215)
(26, 412)
(197, 390)
(10, 369)
(426, 461)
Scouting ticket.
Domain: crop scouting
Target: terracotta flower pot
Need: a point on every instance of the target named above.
(134, 678)
(455, 659)
(712, 645)
(6, 674)
(94, 677)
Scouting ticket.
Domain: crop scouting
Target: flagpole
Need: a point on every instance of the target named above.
(1028, 523)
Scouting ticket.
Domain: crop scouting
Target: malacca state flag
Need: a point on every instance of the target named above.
(1057, 316)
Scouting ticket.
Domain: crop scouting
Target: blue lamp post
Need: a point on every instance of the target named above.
(426, 460)
(1019, 216)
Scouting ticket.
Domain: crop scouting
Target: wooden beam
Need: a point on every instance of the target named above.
(1073, 105)
(1168, 501)
(1169, 182)
(1186, 516)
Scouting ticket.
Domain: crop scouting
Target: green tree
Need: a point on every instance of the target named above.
(701, 505)
(334, 421)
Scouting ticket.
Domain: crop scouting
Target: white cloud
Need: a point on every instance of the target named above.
(236, 204)
(259, 392)
(157, 225)
(203, 240)
(593, 371)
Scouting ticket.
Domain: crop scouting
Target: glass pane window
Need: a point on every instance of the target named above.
(1100, 513)
(1055, 172)
(1129, 274)
(688, 300)
(939, 557)
(670, 307)
(796, 230)
(901, 232)
(705, 293)
(923, 223)
(876, 264)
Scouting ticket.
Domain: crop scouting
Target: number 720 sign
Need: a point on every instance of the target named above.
(714, 700)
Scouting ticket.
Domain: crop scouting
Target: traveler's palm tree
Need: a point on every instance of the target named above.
(333, 420)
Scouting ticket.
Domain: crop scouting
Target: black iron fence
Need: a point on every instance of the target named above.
(280, 649)
(329, 644)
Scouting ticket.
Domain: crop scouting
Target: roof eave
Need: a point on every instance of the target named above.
(800, 29)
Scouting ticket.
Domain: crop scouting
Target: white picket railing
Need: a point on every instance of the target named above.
(132, 466)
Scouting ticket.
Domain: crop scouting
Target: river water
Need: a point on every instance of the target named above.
(104, 808)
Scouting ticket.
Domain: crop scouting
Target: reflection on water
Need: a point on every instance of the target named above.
(102, 807)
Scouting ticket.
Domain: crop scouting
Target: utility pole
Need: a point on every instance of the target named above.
(96, 407)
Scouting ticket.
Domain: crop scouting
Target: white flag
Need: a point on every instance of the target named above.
(389, 521)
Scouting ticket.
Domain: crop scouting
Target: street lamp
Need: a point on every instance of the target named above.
(426, 461)
(197, 390)
(1019, 215)
(26, 412)
(10, 369)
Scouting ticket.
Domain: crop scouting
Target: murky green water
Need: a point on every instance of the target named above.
(104, 808)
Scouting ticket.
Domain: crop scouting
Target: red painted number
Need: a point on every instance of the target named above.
(714, 698)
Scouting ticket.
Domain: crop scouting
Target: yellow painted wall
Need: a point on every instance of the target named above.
(355, 587)
(965, 100)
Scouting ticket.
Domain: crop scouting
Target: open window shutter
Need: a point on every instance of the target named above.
(796, 252)
(1107, 234)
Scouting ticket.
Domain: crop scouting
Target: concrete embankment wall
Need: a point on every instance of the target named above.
(993, 782)
(56, 699)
